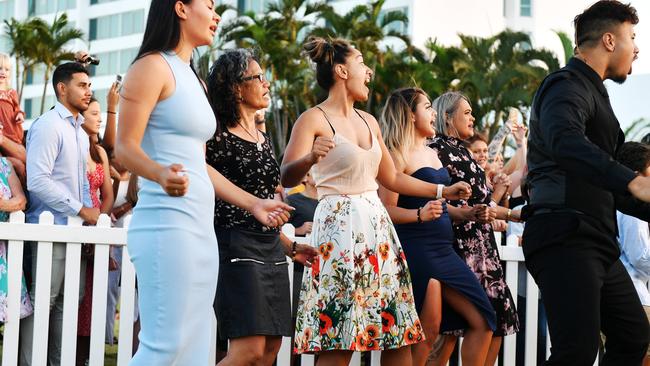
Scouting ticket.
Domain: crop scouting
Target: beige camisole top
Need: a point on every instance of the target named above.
(347, 168)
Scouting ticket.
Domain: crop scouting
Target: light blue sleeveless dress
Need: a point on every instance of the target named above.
(171, 240)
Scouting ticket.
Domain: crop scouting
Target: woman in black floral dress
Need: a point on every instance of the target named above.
(252, 302)
(474, 237)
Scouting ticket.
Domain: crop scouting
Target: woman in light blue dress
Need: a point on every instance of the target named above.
(165, 120)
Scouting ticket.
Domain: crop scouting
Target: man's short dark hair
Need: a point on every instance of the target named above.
(634, 155)
(63, 73)
(600, 18)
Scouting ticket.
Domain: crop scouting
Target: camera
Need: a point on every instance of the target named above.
(92, 59)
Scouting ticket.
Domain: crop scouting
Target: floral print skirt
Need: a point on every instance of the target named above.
(26, 308)
(357, 295)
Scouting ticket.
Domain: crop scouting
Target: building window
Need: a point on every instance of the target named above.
(257, 6)
(116, 25)
(115, 62)
(33, 106)
(526, 8)
(40, 7)
(95, 2)
(398, 27)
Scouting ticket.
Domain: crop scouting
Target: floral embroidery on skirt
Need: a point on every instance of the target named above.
(357, 295)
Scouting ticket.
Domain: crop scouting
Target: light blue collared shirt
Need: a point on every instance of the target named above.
(57, 149)
(634, 239)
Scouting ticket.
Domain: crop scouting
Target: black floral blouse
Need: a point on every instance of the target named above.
(475, 241)
(256, 172)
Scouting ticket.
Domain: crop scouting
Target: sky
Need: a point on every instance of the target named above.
(631, 100)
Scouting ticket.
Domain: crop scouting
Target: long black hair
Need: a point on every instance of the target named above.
(163, 30)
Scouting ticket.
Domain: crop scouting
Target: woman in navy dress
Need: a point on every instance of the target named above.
(424, 227)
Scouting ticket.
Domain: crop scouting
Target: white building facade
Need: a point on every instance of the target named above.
(113, 29)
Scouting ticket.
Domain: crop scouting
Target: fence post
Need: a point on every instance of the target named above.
(127, 306)
(14, 288)
(100, 288)
(71, 298)
(42, 294)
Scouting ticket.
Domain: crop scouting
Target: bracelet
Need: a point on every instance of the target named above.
(110, 112)
(439, 191)
(293, 250)
(508, 215)
(419, 218)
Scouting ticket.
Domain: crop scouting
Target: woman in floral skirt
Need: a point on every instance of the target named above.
(357, 296)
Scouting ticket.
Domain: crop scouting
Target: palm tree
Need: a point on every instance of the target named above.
(205, 56)
(567, 45)
(638, 129)
(23, 41)
(367, 27)
(50, 48)
(496, 73)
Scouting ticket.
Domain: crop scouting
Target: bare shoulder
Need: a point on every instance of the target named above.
(102, 154)
(147, 76)
(312, 121)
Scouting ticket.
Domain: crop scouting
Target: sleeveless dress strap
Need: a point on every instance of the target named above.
(327, 119)
(366, 122)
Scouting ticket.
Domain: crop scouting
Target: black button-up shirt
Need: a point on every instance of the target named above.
(574, 136)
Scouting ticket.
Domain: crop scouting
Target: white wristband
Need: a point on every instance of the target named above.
(439, 192)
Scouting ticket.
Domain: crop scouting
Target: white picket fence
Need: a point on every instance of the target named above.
(16, 232)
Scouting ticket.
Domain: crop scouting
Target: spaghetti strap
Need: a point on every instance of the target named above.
(327, 119)
(364, 120)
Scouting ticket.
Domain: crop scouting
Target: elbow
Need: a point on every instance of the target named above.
(121, 152)
(21, 203)
(285, 180)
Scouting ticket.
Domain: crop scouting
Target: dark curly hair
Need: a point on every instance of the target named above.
(634, 155)
(226, 73)
(601, 17)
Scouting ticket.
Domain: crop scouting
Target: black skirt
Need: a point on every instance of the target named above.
(253, 286)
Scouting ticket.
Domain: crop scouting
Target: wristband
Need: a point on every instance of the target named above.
(508, 215)
(419, 218)
(439, 191)
(293, 250)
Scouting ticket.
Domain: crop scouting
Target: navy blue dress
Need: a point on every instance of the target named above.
(430, 254)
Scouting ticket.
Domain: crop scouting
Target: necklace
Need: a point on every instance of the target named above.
(257, 140)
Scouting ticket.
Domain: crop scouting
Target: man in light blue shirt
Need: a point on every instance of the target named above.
(57, 148)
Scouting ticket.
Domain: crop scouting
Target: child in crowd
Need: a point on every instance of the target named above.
(11, 118)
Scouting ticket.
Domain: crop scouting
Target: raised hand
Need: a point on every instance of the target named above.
(173, 180)
(322, 145)
(113, 96)
(460, 190)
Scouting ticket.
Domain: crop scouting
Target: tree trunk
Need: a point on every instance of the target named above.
(19, 89)
(47, 79)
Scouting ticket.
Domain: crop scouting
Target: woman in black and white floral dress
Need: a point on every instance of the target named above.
(475, 241)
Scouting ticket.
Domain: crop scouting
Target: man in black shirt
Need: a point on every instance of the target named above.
(575, 187)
